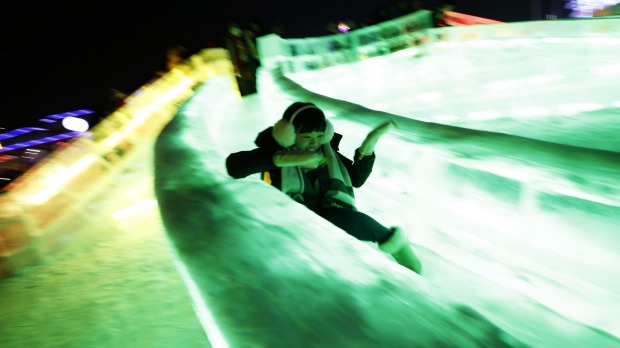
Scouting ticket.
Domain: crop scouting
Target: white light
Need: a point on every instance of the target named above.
(113, 139)
(523, 41)
(206, 318)
(484, 43)
(483, 115)
(134, 209)
(607, 69)
(545, 79)
(444, 118)
(75, 124)
(378, 106)
(446, 44)
(502, 85)
(602, 40)
(54, 183)
(558, 40)
(577, 108)
(531, 111)
(429, 96)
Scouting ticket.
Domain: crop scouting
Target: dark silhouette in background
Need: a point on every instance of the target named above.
(439, 12)
(241, 44)
(175, 55)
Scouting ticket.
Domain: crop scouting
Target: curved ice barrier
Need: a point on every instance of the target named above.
(269, 273)
(537, 218)
(522, 230)
(523, 189)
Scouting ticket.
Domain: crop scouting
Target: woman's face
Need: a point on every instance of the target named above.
(309, 141)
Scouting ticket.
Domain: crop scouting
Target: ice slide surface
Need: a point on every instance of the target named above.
(520, 226)
(477, 254)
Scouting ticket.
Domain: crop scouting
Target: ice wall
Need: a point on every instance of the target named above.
(268, 272)
(546, 212)
(564, 201)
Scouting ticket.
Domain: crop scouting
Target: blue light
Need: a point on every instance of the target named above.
(20, 131)
(39, 141)
(70, 113)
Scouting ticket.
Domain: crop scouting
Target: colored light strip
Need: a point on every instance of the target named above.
(70, 113)
(587, 8)
(24, 130)
(39, 141)
(456, 18)
(20, 131)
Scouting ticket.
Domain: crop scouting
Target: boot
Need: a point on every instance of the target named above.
(398, 246)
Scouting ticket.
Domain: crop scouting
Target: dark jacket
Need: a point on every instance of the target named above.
(260, 160)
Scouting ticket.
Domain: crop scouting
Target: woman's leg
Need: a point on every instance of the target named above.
(361, 226)
(398, 246)
(357, 224)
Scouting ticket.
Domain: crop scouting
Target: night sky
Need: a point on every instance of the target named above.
(61, 56)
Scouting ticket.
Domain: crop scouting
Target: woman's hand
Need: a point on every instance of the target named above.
(368, 146)
(306, 159)
(317, 160)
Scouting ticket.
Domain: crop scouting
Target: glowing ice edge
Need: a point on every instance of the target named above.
(215, 337)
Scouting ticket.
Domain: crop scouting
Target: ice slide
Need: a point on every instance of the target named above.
(518, 234)
(518, 228)
(268, 272)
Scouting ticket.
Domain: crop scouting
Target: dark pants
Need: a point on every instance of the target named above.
(357, 224)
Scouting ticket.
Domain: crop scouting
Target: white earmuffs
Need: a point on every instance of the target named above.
(284, 130)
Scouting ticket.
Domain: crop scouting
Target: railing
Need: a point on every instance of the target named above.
(414, 30)
(295, 55)
(42, 209)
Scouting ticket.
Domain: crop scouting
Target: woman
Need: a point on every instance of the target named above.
(299, 155)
